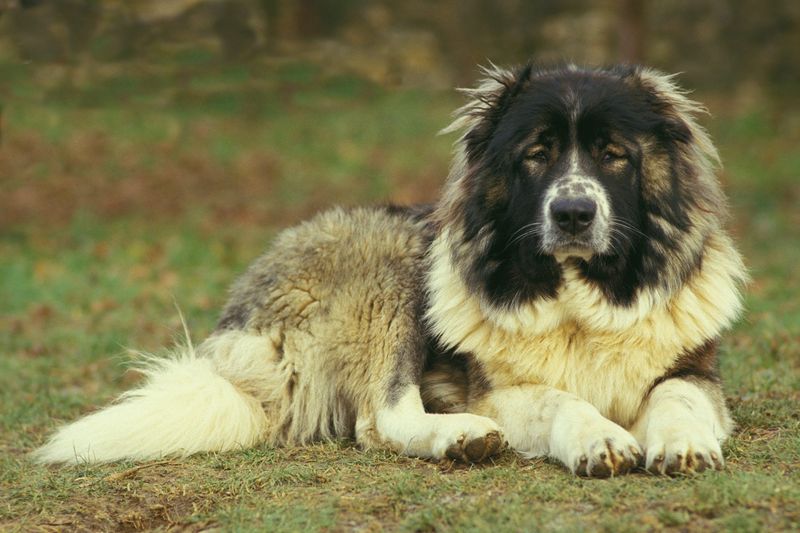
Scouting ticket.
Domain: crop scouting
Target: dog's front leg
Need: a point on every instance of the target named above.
(403, 424)
(682, 424)
(538, 420)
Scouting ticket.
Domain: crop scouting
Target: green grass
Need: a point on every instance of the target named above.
(157, 184)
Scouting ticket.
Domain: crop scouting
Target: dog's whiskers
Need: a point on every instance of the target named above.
(621, 223)
(526, 227)
(528, 230)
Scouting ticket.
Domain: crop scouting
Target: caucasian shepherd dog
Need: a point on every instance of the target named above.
(565, 297)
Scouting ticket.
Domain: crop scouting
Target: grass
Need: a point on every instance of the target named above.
(158, 183)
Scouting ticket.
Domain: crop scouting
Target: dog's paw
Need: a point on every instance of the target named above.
(596, 448)
(477, 449)
(468, 438)
(683, 449)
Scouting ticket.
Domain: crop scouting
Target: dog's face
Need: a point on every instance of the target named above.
(602, 169)
(570, 149)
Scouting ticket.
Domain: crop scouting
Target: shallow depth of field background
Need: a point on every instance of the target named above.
(149, 150)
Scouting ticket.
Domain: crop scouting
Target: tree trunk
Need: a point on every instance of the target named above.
(631, 30)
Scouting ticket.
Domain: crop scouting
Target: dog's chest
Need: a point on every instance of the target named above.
(580, 342)
(612, 371)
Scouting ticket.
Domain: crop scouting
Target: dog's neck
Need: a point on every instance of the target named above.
(705, 305)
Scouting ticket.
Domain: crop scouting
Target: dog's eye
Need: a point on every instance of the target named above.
(612, 154)
(538, 155)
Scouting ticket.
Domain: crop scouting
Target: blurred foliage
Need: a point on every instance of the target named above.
(265, 143)
(417, 42)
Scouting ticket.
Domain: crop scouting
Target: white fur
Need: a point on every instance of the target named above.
(541, 421)
(580, 435)
(411, 431)
(678, 421)
(185, 407)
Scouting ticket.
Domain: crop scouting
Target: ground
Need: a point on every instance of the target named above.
(154, 185)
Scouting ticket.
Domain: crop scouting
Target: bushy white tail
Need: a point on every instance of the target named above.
(185, 407)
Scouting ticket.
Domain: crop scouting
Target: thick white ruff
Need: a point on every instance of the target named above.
(580, 342)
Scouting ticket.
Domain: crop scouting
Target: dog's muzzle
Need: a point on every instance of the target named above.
(576, 218)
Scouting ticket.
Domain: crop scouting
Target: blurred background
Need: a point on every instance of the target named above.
(149, 149)
(266, 109)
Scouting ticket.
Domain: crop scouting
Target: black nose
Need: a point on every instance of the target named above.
(573, 215)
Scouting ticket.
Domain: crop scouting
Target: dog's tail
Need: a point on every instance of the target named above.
(192, 401)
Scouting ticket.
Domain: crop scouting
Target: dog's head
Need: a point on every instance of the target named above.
(605, 170)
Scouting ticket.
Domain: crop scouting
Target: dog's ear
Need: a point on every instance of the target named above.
(682, 200)
(487, 104)
(678, 112)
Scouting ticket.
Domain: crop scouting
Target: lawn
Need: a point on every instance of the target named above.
(155, 185)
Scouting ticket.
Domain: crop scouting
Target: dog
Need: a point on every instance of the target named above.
(565, 297)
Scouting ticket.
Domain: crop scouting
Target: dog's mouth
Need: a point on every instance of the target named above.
(564, 247)
(580, 251)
